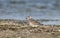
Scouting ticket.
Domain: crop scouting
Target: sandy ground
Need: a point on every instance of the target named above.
(21, 30)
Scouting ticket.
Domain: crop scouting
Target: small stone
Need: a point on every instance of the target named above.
(19, 37)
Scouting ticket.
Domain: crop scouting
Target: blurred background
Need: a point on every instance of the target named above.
(38, 9)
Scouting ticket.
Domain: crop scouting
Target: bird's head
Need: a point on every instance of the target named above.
(29, 17)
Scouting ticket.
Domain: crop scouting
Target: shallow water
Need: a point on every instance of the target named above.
(51, 23)
(23, 8)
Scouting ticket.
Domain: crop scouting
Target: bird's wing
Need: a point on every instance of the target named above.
(35, 22)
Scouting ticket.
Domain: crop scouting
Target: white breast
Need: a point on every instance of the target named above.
(33, 25)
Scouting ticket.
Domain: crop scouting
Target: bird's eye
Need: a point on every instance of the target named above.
(26, 18)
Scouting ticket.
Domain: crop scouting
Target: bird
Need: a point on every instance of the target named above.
(32, 22)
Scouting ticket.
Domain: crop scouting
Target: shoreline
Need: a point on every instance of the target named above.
(19, 29)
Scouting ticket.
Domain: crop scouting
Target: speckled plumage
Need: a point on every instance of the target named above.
(32, 22)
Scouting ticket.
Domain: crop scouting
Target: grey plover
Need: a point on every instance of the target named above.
(32, 22)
